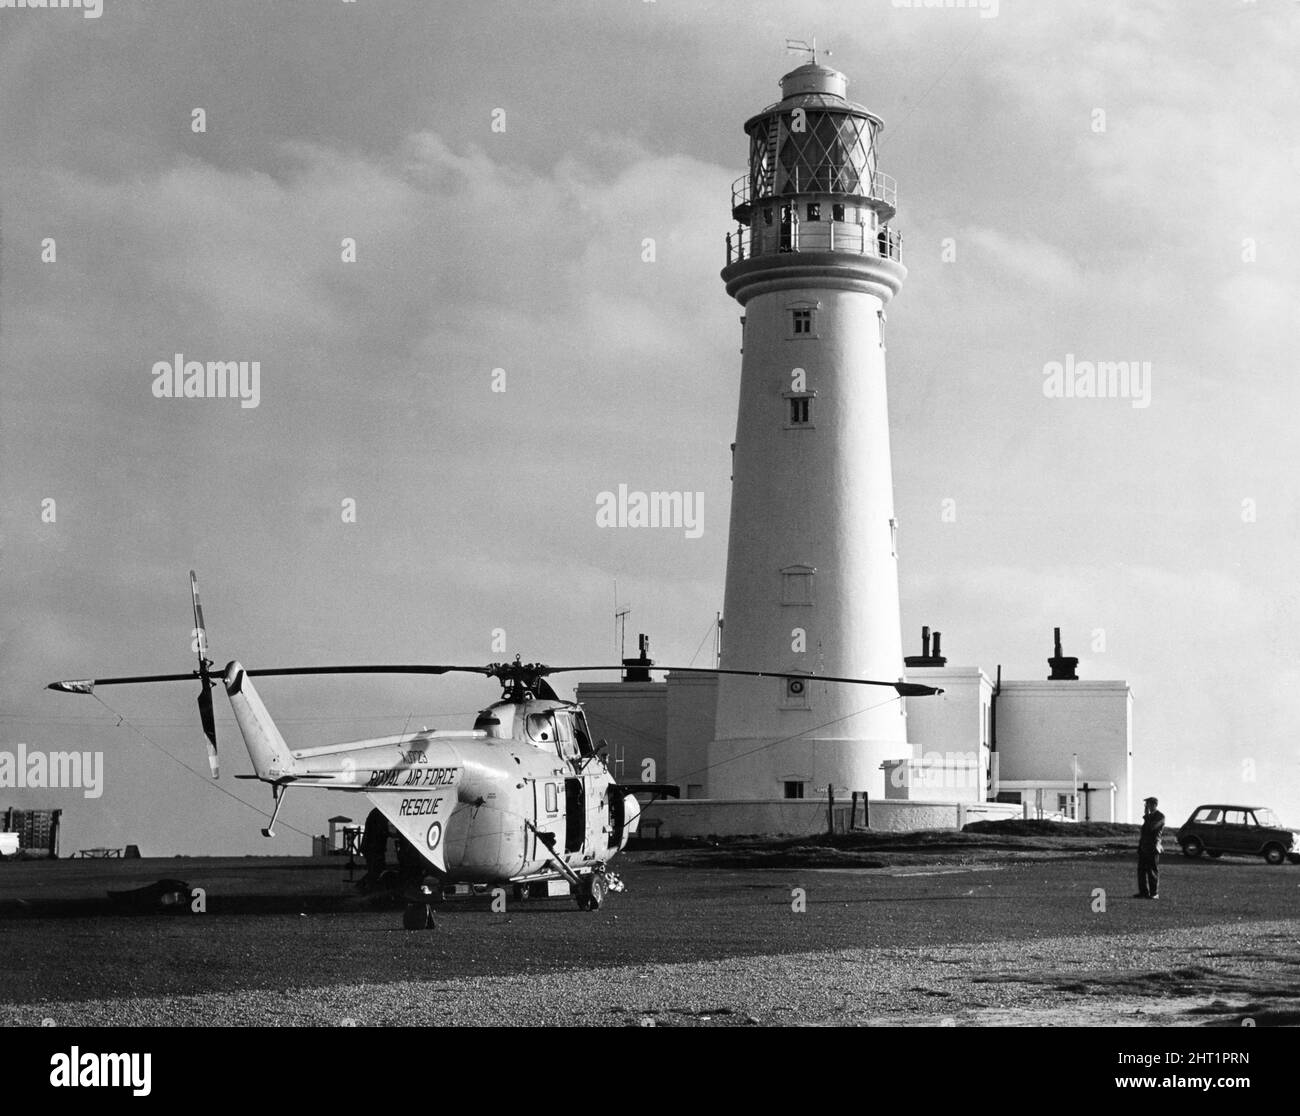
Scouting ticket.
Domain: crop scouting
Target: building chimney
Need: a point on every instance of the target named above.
(1062, 665)
(927, 658)
(638, 669)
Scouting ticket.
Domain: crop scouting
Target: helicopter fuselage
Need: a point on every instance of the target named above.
(522, 796)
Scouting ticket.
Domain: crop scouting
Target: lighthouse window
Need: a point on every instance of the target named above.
(799, 409)
(793, 788)
(814, 211)
(797, 585)
(802, 320)
(837, 211)
(767, 215)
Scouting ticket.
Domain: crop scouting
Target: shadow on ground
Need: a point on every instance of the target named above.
(1264, 999)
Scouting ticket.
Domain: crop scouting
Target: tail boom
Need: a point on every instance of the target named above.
(271, 757)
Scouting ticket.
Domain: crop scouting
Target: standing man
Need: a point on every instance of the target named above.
(1149, 850)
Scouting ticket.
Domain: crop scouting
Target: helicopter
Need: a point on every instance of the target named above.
(524, 798)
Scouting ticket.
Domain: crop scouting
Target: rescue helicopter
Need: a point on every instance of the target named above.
(524, 798)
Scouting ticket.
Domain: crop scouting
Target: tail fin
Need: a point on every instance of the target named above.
(270, 754)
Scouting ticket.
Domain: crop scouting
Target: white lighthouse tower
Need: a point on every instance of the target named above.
(812, 571)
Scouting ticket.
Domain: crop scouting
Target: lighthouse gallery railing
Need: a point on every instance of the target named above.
(814, 236)
(884, 188)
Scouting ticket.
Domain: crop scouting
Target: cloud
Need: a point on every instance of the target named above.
(1043, 268)
(525, 251)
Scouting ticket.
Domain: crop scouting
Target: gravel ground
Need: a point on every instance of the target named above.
(1003, 941)
(1163, 978)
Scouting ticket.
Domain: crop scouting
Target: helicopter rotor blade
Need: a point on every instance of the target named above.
(536, 671)
(88, 685)
(366, 668)
(206, 715)
(200, 629)
(209, 726)
(903, 689)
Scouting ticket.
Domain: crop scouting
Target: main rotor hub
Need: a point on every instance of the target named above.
(521, 681)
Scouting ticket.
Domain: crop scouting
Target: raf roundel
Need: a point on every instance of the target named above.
(434, 836)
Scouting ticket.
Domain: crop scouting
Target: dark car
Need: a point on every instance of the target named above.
(1253, 830)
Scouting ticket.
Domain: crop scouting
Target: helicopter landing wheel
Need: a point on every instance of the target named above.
(592, 892)
(417, 916)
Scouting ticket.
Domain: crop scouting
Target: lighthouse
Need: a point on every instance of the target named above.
(812, 557)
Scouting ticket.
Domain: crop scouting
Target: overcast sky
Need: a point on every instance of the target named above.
(1116, 182)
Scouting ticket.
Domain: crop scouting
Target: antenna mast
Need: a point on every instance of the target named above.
(620, 624)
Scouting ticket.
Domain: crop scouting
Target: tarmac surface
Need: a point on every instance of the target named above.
(935, 939)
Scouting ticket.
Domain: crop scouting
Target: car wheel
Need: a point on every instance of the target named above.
(1193, 847)
(1275, 854)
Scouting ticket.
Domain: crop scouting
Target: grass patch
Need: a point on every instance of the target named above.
(880, 849)
(1032, 827)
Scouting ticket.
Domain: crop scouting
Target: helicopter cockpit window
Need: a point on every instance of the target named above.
(566, 746)
(582, 735)
(541, 727)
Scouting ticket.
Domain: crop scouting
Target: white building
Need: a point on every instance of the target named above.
(1067, 748)
(1061, 747)
(1057, 748)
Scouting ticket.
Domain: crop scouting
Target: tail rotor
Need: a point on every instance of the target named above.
(200, 646)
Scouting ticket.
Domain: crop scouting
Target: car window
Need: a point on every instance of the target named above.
(1207, 816)
(1234, 817)
(1267, 817)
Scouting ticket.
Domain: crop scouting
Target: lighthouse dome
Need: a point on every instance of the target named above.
(814, 78)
